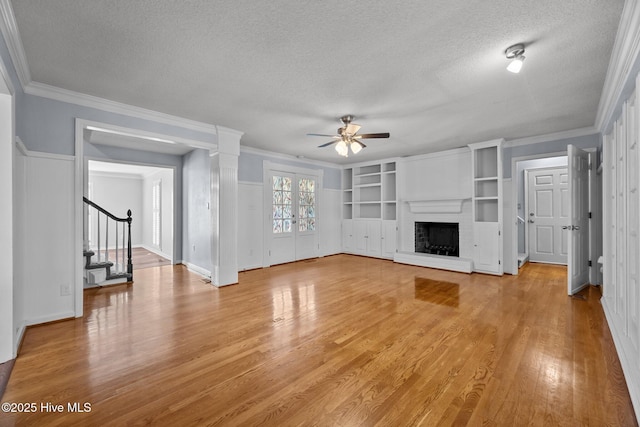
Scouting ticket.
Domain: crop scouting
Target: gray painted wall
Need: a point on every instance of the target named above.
(250, 169)
(49, 126)
(196, 192)
(557, 147)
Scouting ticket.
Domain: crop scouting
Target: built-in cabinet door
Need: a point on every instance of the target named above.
(360, 232)
(374, 236)
(486, 247)
(388, 239)
(347, 236)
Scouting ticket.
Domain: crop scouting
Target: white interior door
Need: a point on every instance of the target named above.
(293, 217)
(548, 212)
(578, 228)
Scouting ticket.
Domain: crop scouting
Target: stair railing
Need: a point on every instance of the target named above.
(100, 247)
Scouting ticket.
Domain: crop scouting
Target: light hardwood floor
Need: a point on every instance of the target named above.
(342, 340)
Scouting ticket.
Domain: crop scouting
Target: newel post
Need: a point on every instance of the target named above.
(129, 262)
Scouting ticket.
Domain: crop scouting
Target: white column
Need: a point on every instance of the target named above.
(7, 350)
(224, 208)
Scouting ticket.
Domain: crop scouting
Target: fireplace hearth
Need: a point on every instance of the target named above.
(437, 238)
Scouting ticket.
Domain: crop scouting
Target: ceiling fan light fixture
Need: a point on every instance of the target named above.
(355, 147)
(342, 148)
(516, 54)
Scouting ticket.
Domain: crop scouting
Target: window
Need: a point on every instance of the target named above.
(307, 204)
(282, 204)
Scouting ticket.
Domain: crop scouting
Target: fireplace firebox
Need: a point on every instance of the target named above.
(438, 238)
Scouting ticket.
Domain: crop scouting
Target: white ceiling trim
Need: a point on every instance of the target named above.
(574, 133)
(9, 28)
(625, 51)
(63, 95)
(273, 154)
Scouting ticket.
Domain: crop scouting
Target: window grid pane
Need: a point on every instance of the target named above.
(281, 205)
(306, 204)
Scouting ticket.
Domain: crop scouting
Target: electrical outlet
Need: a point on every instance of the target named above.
(65, 290)
(194, 248)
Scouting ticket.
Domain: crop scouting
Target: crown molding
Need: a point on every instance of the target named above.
(261, 152)
(623, 56)
(574, 133)
(39, 154)
(64, 95)
(9, 28)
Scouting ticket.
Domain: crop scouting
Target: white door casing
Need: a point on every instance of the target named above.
(547, 212)
(578, 228)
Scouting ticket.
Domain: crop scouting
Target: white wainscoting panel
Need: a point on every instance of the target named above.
(330, 222)
(250, 225)
(49, 240)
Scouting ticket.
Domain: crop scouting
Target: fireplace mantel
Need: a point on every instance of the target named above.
(436, 206)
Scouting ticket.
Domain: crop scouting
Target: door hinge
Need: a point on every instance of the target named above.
(269, 252)
(498, 232)
(499, 262)
(590, 264)
(589, 215)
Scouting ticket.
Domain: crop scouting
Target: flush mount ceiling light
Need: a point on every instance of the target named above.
(516, 54)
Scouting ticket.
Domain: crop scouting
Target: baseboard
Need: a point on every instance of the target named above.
(19, 338)
(250, 267)
(51, 318)
(197, 270)
(156, 251)
(630, 369)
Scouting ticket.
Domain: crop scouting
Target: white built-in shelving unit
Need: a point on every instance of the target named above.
(369, 191)
(486, 207)
(369, 209)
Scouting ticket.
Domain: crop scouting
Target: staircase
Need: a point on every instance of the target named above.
(106, 264)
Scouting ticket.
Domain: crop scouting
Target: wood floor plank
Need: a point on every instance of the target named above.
(341, 340)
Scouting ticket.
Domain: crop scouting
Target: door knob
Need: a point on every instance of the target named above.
(565, 227)
(575, 227)
(531, 221)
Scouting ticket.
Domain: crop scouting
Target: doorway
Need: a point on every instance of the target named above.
(148, 192)
(520, 234)
(291, 202)
(547, 214)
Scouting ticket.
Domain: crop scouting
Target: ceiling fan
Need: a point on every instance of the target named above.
(348, 137)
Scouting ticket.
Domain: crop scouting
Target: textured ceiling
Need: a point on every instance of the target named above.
(432, 73)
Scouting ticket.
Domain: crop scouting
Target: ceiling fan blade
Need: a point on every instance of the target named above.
(322, 134)
(327, 144)
(360, 143)
(373, 135)
(352, 128)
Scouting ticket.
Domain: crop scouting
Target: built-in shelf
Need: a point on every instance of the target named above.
(487, 206)
(369, 191)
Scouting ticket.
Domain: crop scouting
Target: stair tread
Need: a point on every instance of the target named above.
(95, 265)
(119, 276)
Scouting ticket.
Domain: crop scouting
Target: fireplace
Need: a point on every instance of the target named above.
(438, 238)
